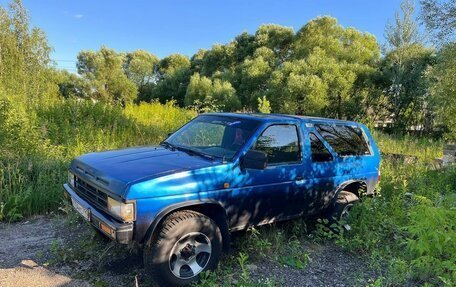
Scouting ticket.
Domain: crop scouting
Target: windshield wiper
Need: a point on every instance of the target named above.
(189, 151)
(195, 152)
(168, 145)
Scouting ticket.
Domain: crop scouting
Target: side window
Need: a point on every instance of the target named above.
(344, 140)
(280, 143)
(319, 152)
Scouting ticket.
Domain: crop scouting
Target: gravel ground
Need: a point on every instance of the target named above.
(56, 251)
(22, 249)
(329, 266)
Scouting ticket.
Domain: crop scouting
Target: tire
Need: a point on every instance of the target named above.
(341, 210)
(187, 243)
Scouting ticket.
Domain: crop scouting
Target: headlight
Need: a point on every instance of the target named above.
(126, 211)
(70, 178)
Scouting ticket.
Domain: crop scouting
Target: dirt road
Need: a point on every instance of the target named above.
(52, 251)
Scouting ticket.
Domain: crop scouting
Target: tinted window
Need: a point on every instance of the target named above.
(319, 152)
(280, 143)
(345, 140)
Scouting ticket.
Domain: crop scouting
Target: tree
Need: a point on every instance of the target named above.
(104, 71)
(140, 67)
(252, 76)
(277, 38)
(299, 87)
(440, 19)
(172, 64)
(404, 31)
(439, 16)
(173, 75)
(202, 91)
(25, 72)
(71, 85)
(244, 46)
(328, 64)
(406, 84)
(343, 44)
(404, 70)
(218, 59)
(444, 89)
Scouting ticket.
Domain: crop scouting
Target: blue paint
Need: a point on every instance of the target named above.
(157, 177)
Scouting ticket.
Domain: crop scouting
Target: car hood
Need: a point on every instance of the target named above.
(112, 171)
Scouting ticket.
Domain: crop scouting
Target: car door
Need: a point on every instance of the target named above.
(320, 172)
(267, 195)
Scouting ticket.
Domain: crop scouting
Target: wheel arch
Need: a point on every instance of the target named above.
(212, 209)
(356, 186)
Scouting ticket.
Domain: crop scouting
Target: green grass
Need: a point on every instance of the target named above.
(411, 226)
(36, 145)
(423, 148)
(408, 231)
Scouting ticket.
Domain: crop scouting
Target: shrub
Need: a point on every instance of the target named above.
(411, 224)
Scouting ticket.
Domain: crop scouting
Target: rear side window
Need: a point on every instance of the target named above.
(319, 152)
(344, 140)
(280, 143)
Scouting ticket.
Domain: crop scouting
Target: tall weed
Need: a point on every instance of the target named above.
(37, 144)
(411, 224)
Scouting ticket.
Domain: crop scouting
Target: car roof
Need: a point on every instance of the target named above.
(282, 118)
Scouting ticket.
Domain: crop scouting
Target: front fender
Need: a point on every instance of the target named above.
(147, 224)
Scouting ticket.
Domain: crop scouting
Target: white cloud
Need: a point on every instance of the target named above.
(78, 16)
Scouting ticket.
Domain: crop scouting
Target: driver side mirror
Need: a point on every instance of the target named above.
(254, 159)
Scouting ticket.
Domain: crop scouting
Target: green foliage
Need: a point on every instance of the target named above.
(38, 144)
(404, 32)
(139, 67)
(103, 70)
(423, 148)
(440, 18)
(204, 92)
(344, 44)
(432, 241)
(404, 72)
(328, 64)
(444, 89)
(24, 55)
(172, 64)
(264, 106)
(410, 224)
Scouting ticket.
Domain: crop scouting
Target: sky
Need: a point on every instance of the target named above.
(168, 26)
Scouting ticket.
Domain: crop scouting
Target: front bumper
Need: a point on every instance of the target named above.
(120, 232)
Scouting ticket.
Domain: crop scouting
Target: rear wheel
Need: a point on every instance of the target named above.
(341, 210)
(187, 244)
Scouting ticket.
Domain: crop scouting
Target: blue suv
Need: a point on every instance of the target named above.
(219, 173)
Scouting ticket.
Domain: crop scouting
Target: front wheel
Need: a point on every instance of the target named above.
(187, 244)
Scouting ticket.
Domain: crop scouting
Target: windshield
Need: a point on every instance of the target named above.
(214, 136)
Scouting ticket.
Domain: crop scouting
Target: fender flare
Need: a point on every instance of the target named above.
(174, 207)
(344, 185)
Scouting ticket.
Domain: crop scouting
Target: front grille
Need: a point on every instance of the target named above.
(91, 194)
